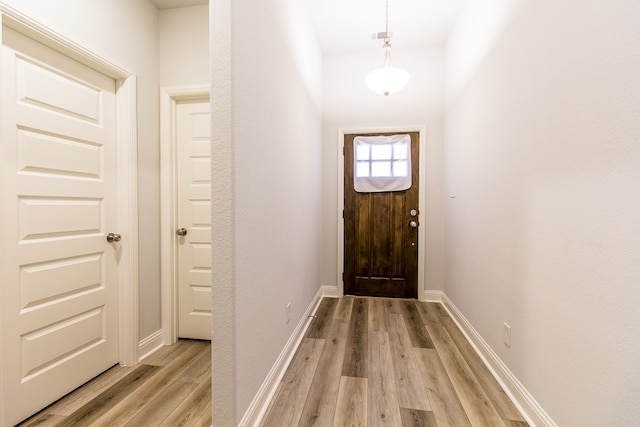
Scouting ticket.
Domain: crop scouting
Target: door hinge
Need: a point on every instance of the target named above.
(343, 150)
(343, 276)
(342, 213)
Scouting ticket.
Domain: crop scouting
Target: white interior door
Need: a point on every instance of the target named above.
(58, 202)
(194, 219)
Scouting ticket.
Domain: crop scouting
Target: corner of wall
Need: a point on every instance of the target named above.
(149, 345)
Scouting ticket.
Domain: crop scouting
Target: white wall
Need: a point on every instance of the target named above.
(184, 46)
(349, 104)
(125, 32)
(542, 141)
(266, 173)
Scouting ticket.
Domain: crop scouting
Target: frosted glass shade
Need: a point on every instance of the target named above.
(386, 80)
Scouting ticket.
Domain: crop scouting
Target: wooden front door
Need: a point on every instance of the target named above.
(380, 232)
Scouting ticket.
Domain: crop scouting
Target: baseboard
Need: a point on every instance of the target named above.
(528, 406)
(329, 291)
(432, 296)
(524, 401)
(261, 400)
(149, 345)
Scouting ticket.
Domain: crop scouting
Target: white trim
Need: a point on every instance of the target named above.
(329, 291)
(127, 167)
(169, 99)
(524, 401)
(149, 345)
(432, 296)
(31, 28)
(128, 218)
(422, 202)
(262, 399)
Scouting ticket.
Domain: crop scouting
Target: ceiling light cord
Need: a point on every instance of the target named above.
(388, 79)
(386, 47)
(386, 22)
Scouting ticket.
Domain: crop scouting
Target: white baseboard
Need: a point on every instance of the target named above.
(149, 345)
(329, 291)
(432, 296)
(524, 401)
(261, 400)
(528, 406)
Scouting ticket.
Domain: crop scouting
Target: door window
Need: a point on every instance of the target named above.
(382, 163)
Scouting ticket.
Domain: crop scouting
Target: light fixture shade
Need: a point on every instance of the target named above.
(386, 80)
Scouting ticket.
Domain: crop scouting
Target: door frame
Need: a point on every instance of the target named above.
(422, 170)
(127, 145)
(170, 97)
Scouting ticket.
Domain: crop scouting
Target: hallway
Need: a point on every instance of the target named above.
(370, 361)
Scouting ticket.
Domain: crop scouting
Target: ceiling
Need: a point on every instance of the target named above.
(347, 25)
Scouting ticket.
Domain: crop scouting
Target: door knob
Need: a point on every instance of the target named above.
(413, 224)
(181, 231)
(113, 237)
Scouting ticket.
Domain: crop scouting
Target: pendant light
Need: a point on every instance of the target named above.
(388, 79)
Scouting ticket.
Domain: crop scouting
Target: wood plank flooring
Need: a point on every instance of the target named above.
(362, 362)
(387, 362)
(170, 388)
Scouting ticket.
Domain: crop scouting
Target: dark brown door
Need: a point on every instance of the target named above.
(380, 233)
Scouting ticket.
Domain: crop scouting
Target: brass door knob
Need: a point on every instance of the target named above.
(181, 231)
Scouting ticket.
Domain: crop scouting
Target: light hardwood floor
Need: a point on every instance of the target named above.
(362, 362)
(387, 362)
(170, 388)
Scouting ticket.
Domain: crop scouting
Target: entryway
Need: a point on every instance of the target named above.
(381, 214)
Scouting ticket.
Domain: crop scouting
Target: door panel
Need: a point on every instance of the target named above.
(381, 248)
(59, 193)
(51, 155)
(194, 214)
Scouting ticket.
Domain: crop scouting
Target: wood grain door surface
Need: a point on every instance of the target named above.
(380, 245)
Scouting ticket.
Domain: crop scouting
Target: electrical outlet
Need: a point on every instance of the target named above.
(288, 312)
(506, 335)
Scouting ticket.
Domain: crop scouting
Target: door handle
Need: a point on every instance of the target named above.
(113, 237)
(413, 224)
(181, 231)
